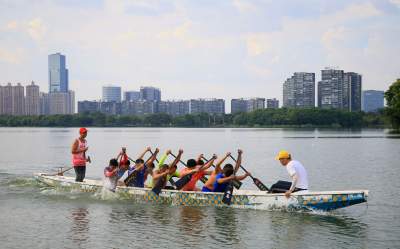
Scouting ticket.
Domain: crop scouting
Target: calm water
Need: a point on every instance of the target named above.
(33, 216)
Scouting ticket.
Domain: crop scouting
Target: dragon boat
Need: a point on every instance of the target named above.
(251, 199)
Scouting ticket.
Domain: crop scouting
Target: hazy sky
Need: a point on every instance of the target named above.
(199, 48)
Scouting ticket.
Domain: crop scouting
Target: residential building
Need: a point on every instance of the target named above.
(210, 106)
(32, 99)
(88, 106)
(238, 105)
(111, 94)
(247, 105)
(131, 95)
(44, 103)
(272, 103)
(8, 99)
(150, 93)
(352, 92)
(110, 108)
(173, 107)
(58, 73)
(331, 89)
(18, 100)
(62, 102)
(299, 90)
(373, 100)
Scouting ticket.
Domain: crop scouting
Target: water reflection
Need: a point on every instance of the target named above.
(297, 230)
(80, 226)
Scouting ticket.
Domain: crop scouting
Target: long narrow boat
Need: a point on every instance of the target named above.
(252, 199)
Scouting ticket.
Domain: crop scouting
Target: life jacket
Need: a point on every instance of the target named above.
(79, 159)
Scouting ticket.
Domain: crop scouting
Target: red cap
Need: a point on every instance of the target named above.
(82, 130)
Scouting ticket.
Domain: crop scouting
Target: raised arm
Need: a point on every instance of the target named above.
(144, 153)
(209, 163)
(218, 166)
(199, 157)
(164, 157)
(177, 159)
(238, 161)
(153, 156)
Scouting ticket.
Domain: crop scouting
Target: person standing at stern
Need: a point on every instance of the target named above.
(296, 171)
(79, 148)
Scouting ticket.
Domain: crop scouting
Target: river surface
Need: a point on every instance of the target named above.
(35, 216)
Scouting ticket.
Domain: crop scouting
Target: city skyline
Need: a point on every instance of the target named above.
(185, 49)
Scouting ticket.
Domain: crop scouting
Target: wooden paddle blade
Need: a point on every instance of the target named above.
(260, 185)
(183, 181)
(203, 179)
(159, 185)
(237, 184)
(228, 194)
(131, 177)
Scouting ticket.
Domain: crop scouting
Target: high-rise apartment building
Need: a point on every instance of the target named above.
(373, 100)
(272, 103)
(111, 94)
(18, 100)
(62, 102)
(8, 99)
(173, 107)
(339, 90)
(44, 103)
(150, 93)
(238, 105)
(352, 92)
(330, 89)
(210, 106)
(32, 99)
(299, 90)
(58, 73)
(247, 105)
(131, 95)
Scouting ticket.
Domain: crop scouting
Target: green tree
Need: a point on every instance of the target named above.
(393, 104)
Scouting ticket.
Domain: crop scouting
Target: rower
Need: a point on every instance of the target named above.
(297, 173)
(140, 168)
(209, 185)
(228, 174)
(111, 175)
(198, 169)
(79, 148)
(152, 169)
(165, 171)
(124, 162)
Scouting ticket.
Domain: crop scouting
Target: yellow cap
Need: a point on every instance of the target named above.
(282, 154)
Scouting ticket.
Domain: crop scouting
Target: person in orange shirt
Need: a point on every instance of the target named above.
(198, 169)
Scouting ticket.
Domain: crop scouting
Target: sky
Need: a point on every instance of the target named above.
(198, 48)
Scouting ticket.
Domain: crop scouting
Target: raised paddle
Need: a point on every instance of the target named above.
(256, 181)
(203, 179)
(237, 184)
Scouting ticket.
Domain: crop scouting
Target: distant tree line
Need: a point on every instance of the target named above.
(282, 117)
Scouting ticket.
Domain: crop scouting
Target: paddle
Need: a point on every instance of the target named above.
(227, 198)
(59, 173)
(256, 181)
(159, 185)
(170, 179)
(203, 179)
(237, 184)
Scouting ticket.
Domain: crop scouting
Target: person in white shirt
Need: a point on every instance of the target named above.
(296, 171)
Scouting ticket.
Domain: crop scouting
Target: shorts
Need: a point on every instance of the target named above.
(205, 189)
